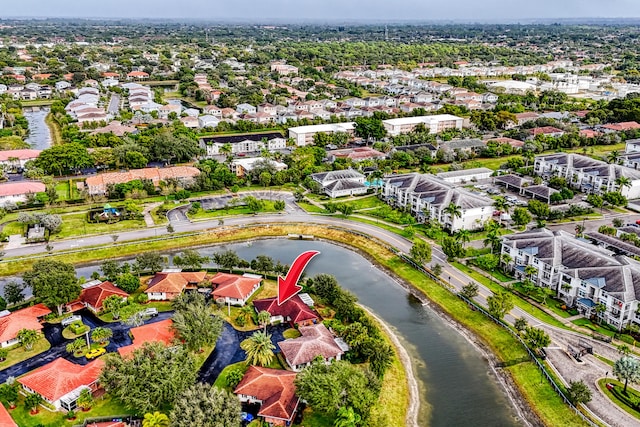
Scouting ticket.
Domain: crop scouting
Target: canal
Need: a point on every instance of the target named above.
(39, 135)
(456, 386)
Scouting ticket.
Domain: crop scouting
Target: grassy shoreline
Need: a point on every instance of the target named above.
(539, 397)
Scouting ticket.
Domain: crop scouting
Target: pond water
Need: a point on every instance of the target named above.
(456, 387)
(39, 135)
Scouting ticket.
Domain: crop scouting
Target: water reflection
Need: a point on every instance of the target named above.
(39, 135)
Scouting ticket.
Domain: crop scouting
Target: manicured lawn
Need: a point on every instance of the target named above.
(132, 308)
(62, 188)
(364, 202)
(13, 228)
(313, 419)
(518, 301)
(221, 381)
(102, 407)
(18, 353)
(587, 323)
(556, 306)
(76, 225)
(634, 395)
(604, 359)
(311, 208)
(394, 229)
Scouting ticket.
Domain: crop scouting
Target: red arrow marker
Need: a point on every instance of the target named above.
(288, 287)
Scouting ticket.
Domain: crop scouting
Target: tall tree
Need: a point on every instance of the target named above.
(500, 304)
(454, 211)
(195, 325)
(54, 282)
(190, 259)
(259, 349)
(578, 392)
(627, 369)
(13, 292)
(536, 338)
(148, 262)
(169, 370)
(206, 406)
(112, 304)
(420, 251)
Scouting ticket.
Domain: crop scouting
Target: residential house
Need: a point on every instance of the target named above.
(315, 340)
(523, 118)
(93, 295)
(117, 128)
(490, 98)
(25, 318)
(161, 332)
(283, 69)
(340, 183)
(619, 127)
(581, 274)
(504, 140)
(190, 122)
(469, 145)
(19, 191)
(137, 75)
(97, 185)
(5, 418)
(233, 288)
(435, 124)
(208, 121)
(274, 390)
(243, 167)
(246, 109)
(60, 382)
(167, 285)
(632, 146)
(428, 197)
(16, 159)
(165, 110)
(303, 135)
(589, 175)
(213, 110)
(293, 311)
(547, 131)
(356, 154)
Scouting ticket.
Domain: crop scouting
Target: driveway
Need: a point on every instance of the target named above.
(228, 350)
(53, 333)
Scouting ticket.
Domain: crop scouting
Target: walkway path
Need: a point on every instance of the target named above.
(148, 219)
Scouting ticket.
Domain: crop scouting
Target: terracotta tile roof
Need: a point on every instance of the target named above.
(154, 174)
(138, 74)
(95, 295)
(5, 418)
(316, 340)
(622, 126)
(588, 133)
(153, 332)
(21, 187)
(233, 285)
(545, 130)
(25, 154)
(55, 379)
(27, 318)
(110, 74)
(174, 282)
(504, 140)
(274, 387)
(294, 308)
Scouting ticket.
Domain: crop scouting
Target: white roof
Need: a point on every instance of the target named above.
(513, 84)
(331, 127)
(421, 119)
(247, 163)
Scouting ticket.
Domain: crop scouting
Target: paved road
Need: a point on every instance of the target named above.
(560, 338)
(114, 105)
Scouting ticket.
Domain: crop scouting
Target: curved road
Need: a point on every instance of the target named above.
(591, 369)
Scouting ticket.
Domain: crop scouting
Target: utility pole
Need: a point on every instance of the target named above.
(386, 33)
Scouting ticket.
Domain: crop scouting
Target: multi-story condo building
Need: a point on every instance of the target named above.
(435, 124)
(589, 175)
(581, 274)
(428, 197)
(303, 135)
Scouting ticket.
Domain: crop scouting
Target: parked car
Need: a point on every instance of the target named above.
(149, 312)
(69, 320)
(96, 352)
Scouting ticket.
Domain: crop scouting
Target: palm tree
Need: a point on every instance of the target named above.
(613, 157)
(101, 335)
(529, 271)
(506, 260)
(500, 204)
(259, 349)
(623, 181)
(226, 149)
(28, 338)
(112, 304)
(156, 419)
(85, 400)
(346, 417)
(76, 345)
(454, 211)
(599, 309)
(492, 239)
(263, 319)
(32, 401)
(463, 236)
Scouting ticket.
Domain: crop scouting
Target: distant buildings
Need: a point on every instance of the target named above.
(97, 185)
(341, 183)
(19, 191)
(303, 135)
(434, 124)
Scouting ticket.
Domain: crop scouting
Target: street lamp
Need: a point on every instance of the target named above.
(449, 281)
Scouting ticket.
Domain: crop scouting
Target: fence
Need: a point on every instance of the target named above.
(482, 310)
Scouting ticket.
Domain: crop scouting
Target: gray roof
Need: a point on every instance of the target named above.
(326, 177)
(541, 190)
(513, 180)
(463, 143)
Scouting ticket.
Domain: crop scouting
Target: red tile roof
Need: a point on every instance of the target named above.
(154, 174)
(588, 133)
(53, 380)
(153, 332)
(622, 126)
(25, 154)
(5, 418)
(174, 282)
(138, 74)
(316, 340)
(545, 130)
(233, 285)
(95, 295)
(527, 115)
(358, 153)
(110, 74)
(274, 387)
(503, 140)
(27, 318)
(294, 309)
(21, 187)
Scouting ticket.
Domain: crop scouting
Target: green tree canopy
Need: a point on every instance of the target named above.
(205, 406)
(54, 282)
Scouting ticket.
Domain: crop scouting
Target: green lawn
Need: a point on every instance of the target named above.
(587, 323)
(311, 208)
(291, 333)
(518, 301)
(556, 306)
(132, 308)
(13, 228)
(221, 381)
(62, 188)
(76, 224)
(102, 407)
(634, 395)
(18, 353)
(366, 202)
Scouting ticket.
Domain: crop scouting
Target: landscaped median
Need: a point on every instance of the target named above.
(539, 395)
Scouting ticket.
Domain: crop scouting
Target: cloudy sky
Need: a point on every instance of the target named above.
(324, 10)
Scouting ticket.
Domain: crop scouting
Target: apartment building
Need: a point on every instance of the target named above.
(581, 274)
(428, 197)
(435, 124)
(303, 135)
(589, 175)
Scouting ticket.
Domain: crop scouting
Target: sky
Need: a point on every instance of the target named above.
(325, 10)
